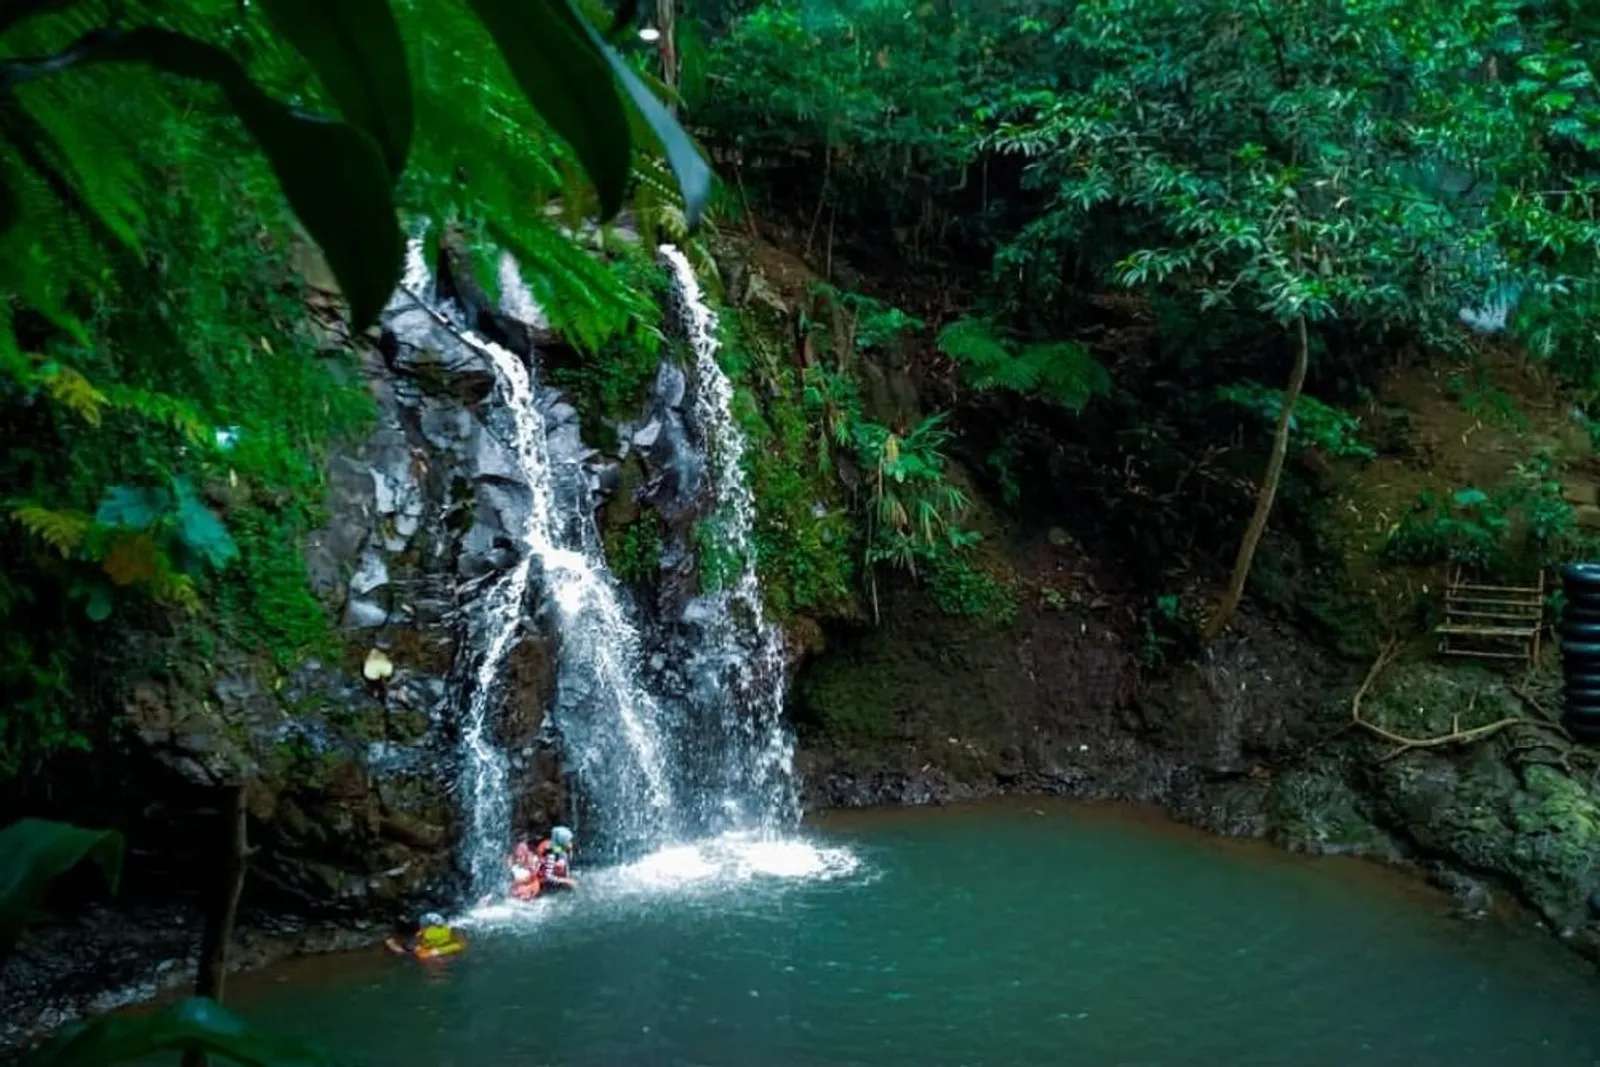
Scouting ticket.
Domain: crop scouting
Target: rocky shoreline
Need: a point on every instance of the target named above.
(110, 957)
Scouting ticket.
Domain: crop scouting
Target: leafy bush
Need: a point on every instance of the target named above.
(1509, 532)
(963, 590)
(1312, 423)
(1058, 371)
(634, 551)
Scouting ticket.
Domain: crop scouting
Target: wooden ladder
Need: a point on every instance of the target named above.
(1491, 621)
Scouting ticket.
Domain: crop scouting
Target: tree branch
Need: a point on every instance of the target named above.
(1456, 736)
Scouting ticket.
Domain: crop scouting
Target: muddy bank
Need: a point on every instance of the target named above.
(108, 957)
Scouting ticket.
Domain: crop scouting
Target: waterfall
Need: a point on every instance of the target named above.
(611, 727)
(735, 660)
(609, 723)
(650, 771)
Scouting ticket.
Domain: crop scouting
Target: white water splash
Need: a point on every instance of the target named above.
(717, 866)
(740, 656)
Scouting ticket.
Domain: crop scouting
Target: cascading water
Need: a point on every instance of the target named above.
(610, 723)
(735, 661)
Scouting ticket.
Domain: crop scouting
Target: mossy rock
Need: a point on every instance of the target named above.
(1312, 811)
(844, 700)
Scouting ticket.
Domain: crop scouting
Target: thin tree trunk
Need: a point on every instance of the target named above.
(1269, 491)
(822, 197)
(666, 21)
(224, 909)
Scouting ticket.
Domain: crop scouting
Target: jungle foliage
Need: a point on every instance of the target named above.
(1116, 216)
(168, 402)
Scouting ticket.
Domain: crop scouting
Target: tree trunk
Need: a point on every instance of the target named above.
(1269, 491)
(224, 908)
(666, 20)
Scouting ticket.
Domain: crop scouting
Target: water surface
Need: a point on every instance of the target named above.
(1010, 936)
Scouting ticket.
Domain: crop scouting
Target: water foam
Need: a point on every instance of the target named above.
(727, 865)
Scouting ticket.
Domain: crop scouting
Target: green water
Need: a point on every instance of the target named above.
(1003, 937)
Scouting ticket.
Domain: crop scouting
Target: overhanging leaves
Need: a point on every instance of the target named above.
(567, 79)
(136, 507)
(196, 1023)
(34, 853)
(694, 176)
(15, 11)
(356, 49)
(332, 173)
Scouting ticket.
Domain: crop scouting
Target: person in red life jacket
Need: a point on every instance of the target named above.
(524, 872)
(554, 860)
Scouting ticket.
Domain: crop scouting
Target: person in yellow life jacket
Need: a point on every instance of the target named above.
(434, 939)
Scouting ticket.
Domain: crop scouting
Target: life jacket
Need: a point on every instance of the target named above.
(435, 937)
(552, 865)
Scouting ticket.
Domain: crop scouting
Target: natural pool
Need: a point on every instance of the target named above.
(1012, 935)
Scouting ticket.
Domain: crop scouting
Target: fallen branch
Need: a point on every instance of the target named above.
(1402, 743)
(1551, 719)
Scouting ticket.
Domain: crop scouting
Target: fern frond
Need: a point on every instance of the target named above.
(972, 342)
(1060, 371)
(1067, 373)
(63, 531)
(74, 392)
(161, 408)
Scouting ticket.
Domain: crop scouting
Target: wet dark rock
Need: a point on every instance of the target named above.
(1472, 896)
(427, 353)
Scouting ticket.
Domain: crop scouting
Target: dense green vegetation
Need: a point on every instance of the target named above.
(1123, 267)
(1154, 214)
(169, 399)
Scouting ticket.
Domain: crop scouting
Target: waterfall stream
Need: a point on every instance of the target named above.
(736, 662)
(609, 722)
(650, 771)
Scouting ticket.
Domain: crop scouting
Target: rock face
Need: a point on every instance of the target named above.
(1519, 809)
(349, 777)
(926, 708)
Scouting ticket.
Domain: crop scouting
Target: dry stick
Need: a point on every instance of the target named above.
(1456, 735)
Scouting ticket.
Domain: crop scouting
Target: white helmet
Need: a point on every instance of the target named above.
(561, 837)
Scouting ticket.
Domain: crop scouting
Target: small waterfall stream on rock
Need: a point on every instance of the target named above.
(735, 659)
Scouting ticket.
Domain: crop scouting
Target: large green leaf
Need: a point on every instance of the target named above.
(694, 175)
(332, 173)
(136, 507)
(199, 530)
(566, 77)
(15, 11)
(356, 49)
(193, 1023)
(35, 852)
